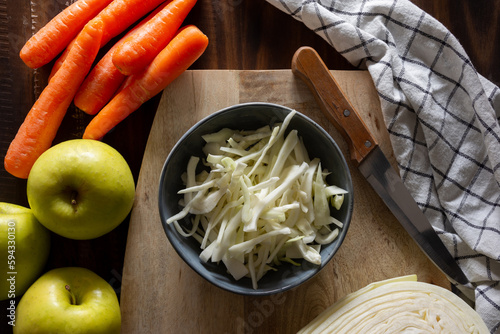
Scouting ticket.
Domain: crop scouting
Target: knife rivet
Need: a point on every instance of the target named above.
(368, 143)
(346, 113)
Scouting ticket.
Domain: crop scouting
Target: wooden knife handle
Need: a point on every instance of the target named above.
(307, 65)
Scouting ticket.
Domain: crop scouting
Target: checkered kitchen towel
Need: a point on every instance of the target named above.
(443, 118)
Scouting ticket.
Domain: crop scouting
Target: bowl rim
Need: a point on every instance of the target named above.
(234, 288)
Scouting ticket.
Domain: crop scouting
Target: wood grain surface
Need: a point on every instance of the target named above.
(159, 291)
(244, 35)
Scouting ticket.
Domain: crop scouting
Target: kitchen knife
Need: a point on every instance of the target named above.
(367, 155)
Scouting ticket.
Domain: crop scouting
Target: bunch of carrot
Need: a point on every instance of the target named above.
(138, 67)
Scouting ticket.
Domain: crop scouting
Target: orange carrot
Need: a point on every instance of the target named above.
(39, 128)
(49, 41)
(99, 86)
(121, 14)
(58, 63)
(104, 79)
(184, 49)
(141, 47)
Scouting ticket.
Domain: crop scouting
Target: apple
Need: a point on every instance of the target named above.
(81, 189)
(24, 249)
(69, 300)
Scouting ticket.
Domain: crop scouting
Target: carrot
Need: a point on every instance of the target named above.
(184, 49)
(99, 86)
(121, 14)
(104, 79)
(49, 41)
(140, 48)
(39, 128)
(58, 63)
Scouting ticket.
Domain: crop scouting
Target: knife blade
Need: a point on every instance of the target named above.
(371, 161)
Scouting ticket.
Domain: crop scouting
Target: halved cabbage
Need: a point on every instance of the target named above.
(398, 305)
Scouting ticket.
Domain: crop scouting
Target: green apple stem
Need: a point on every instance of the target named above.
(74, 203)
(72, 296)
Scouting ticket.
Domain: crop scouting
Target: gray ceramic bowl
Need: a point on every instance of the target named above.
(251, 116)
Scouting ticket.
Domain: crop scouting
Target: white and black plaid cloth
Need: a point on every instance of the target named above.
(443, 119)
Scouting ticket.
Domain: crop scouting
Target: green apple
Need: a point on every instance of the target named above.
(81, 189)
(24, 249)
(69, 300)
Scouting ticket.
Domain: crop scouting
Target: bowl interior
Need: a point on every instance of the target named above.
(249, 117)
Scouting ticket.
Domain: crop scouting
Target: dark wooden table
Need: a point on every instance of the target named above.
(249, 35)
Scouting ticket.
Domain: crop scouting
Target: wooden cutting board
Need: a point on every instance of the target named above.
(161, 294)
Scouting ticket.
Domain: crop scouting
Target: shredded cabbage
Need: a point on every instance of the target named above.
(262, 202)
